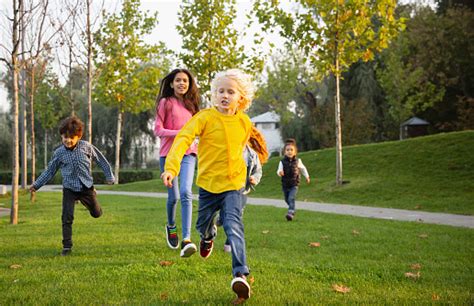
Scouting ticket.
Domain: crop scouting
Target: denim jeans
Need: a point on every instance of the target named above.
(88, 199)
(231, 204)
(290, 197)
(183, 191)
(221, 213)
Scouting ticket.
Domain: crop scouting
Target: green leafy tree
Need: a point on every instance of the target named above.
(210, 41)
(128, 74)
(51, 107)
(334, 35)
(429, 70)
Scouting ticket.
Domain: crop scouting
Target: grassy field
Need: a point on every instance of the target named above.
(122, 258)
(433, 173)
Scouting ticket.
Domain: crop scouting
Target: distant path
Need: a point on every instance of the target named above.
(341, 209)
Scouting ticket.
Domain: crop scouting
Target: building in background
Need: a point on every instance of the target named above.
(413, 127)
(269, 125)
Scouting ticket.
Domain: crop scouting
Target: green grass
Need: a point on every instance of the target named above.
(433, 173)
(116, 259)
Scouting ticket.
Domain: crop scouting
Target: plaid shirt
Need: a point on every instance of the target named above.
(75, 166)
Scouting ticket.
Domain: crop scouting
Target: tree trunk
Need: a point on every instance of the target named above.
(71, 97)
(338, 132)
(32, 123)
(23, 116)
(89, 74)
(32, 132)
(117, 145)
(15, 134)
(45, 149)
(337, 105)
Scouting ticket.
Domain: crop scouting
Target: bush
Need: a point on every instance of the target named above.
(126, 176)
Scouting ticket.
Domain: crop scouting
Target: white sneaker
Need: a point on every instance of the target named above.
(187, 248)
(240, 286)
(227, 248)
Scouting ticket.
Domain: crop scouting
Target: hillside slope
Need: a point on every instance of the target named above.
(432, 173)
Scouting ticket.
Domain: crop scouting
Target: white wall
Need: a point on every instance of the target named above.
(272, 136)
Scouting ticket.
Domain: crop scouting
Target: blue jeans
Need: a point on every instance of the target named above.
(290, 197)
(221, 213)
(182, 191)
(231, 204)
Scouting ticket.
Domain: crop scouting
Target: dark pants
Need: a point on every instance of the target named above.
(88, 198)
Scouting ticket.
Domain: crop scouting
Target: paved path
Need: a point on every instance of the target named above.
(341, 209)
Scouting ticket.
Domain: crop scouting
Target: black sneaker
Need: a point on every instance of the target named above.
(172, 237)
(289, 217)
(187, 248)
(66, 252)
(205, 248)
(240, 286)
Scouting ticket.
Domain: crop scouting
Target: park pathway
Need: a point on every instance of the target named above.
(341, 209)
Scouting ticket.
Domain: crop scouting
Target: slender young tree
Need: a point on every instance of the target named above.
(128, 75)
(37, 47)
(334, 34)
(13, 65)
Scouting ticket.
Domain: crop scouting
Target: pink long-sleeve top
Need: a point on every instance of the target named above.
(170, 118)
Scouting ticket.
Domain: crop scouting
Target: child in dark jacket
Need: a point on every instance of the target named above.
(290, 169)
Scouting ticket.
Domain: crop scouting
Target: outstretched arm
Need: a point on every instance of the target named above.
(103, 164)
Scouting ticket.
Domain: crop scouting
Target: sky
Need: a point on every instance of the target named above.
(165, 30)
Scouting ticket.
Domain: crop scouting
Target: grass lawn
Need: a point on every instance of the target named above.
(116, 259)
(433, 173)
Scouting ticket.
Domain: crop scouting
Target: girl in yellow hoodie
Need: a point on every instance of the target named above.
(223, 132)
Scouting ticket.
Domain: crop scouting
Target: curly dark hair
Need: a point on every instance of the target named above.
(191, 97)
(71, 126)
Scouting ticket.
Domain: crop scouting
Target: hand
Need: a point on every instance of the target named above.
(252, 180)
(167, 179)
(308, 180)
(281, 173)
(32, 189)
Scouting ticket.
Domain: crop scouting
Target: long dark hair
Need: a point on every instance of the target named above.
(191, 98)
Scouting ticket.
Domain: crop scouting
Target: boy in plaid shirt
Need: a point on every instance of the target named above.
(74, 158)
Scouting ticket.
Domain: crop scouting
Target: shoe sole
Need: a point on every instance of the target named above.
(241, 288)
(167, 241)
(188, 250)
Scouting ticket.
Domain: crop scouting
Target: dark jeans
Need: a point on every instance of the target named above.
(88, 199)
(290, 198)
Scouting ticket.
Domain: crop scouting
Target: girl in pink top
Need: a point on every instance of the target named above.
(177, 102)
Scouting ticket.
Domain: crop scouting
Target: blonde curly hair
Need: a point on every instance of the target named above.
(244, 83)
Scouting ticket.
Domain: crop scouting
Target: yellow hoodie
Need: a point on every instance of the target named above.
(222, 139)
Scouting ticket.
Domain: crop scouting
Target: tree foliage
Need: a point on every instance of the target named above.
(129, 71)
(334, 35)
(429, 69)
(127, 80)
(210, 42)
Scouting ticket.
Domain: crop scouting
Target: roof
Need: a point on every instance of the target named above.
(266, 118)
(415, 121)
